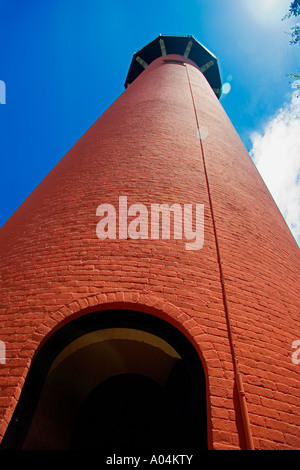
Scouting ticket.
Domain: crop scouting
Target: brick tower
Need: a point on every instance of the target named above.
(133, 339)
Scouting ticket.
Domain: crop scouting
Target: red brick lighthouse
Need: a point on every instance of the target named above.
(149, 285)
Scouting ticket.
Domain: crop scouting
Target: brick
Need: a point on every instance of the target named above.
(145, 146)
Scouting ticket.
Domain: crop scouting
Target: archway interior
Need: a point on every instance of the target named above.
(119, 389)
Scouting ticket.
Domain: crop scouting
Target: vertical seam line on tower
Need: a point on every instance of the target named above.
(239, 383)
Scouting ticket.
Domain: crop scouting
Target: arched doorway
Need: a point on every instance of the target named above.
(117, 380)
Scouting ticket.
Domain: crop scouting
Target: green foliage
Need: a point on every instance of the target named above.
(294, 9)
(295, 35)
(295, 30)
(295, 39)
(295, 83)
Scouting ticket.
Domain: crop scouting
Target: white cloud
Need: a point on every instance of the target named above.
(276, 153)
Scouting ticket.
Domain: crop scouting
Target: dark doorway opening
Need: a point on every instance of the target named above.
(113, 381)
(133, 417)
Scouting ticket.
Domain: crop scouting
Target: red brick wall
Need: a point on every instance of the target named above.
(146, 146)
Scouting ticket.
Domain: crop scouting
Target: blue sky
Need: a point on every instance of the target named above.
(64, 62)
